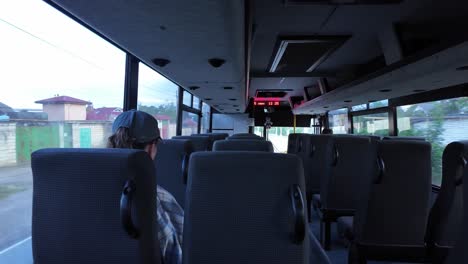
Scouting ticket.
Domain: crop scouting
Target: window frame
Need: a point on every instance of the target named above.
(181, 107)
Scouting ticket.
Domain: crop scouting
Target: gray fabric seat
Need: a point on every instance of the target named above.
(403, 138)
(317, 157)
(459, 254)
(312, 149)
(232, 216)
(245, 136)
(215, 136)
(76, 195)
(390, 223)
(172, 166)
(344, 182)
(292, 141)
(200, 143)
(446, 215)
(243, 145)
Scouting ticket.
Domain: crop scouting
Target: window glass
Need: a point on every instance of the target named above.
(62, 86)
(187, 99)
(158, 97)
(278, 136)
(373, 124)
(382, 103)
(258, 130)
(359, 107)
(440, 122)
(338, 121)
(189, 123)
(205, 123)
(196, 102)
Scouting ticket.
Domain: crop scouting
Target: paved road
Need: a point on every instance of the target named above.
(15, 210)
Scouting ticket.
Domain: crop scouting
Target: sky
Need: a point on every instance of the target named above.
(44, 53)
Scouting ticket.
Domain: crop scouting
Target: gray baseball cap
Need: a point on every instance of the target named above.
(141, 125)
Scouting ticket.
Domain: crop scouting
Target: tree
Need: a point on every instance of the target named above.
(433, 133)
(163, 109)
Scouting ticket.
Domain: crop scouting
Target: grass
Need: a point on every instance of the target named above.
(9, 189)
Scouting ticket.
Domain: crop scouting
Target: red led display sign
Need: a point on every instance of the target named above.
(267, 103)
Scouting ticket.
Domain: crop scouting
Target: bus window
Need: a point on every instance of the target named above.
(158, 97)
(338, 121)
(372, 124)
(62, 86)
(279, 136)
(359, 107)
(378, 104)
(187, 99)
(205, 122)
(440, 122)
(189, 123)
(196, 102)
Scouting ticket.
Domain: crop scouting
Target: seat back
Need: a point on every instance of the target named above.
(172, 166)
(216, 136)
(396, 210)
(317, 160)
(200, 143)
(292, 141)
(459, 254)
(249, 198)
(76, 216)
(404, 138)
(350, 172)
(312, 150)
(245, 136)
(243, 145)
(446, 215)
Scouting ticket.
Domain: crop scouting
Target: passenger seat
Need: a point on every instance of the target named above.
(245, 207)
(172, 166)
(243, 145)
(348, 177)
(445, 218)
(86, 203)
(390, 220)
(459, 254)
(200, 143)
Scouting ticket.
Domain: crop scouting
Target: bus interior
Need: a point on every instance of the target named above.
(294, 131)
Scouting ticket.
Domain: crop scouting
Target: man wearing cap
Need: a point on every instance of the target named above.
(139, 130)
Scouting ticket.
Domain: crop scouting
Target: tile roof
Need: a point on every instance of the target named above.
(63, 100)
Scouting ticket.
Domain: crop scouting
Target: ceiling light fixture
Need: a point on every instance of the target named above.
(161, 62)
(216, 62)
(385, 90)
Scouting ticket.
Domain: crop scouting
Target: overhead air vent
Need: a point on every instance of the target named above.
(270, 94)
(342, 2)
(300, 54)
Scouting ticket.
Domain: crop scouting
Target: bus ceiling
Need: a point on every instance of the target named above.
(314, 55)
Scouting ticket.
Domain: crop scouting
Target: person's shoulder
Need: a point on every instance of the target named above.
(164, 195)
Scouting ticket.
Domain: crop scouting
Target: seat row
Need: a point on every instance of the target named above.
(173, 157)
(98, 206)
(379, 192)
